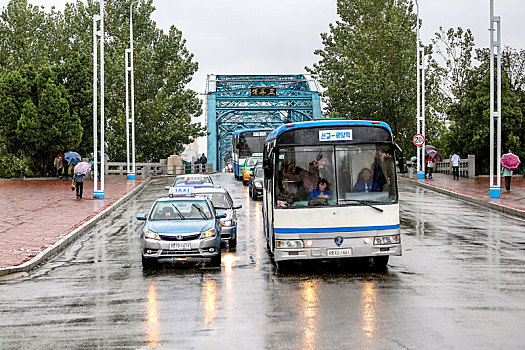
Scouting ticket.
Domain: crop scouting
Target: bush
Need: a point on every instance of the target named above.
(11, 166)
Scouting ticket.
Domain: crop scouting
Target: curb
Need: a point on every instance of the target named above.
(484, 203)
(73, 235)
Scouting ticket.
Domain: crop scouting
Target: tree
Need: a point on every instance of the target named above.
(368, 66)
(470, 132)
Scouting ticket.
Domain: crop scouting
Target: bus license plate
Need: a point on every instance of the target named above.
(180, 246)
(339, 252)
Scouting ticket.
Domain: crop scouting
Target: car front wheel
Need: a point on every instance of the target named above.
(149, 263)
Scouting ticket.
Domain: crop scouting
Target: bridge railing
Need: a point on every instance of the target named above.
(162, 168)
(467, 167)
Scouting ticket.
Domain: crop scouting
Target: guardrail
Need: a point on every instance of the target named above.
(151, 169)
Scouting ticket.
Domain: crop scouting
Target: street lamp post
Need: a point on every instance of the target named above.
(98, 21)
(130, 68)
(495, 188)
(420, 108)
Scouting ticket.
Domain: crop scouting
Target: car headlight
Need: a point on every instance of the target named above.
(209, 233)
(289, 243)
(151, 235)
(258, 185)
(382, 240)
(227, 223)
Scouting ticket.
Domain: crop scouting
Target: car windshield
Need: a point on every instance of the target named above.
(219, 200)
(184, 179)
(181, 210)
(335, 175)
(259, 172)
(251, 162)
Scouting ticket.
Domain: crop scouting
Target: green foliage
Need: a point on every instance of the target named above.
(470, 133)
(46, 72)
(13, 167)
(367, 64)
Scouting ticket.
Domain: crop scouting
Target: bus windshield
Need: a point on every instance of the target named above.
(335, 175)
(251, 142)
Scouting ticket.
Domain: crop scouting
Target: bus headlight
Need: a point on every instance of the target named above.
(209, 233)
(227, 223)
(151, 235)
(382, 240)
(289, 243)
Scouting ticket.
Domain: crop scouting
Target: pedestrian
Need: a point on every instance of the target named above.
(65, 168)
(430, 166)
(455, 166)
(197, 165)
(203, 160)
(79, 183)
(57, 163)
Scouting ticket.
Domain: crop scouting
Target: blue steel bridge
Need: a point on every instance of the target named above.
(237, 102)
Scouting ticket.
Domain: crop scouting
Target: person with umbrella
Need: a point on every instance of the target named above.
(78, 177)
(509, 162)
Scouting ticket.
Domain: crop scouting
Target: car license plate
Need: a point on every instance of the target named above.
(180, 246)
(339, 252)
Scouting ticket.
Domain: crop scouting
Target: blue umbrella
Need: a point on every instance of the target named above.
(72, 157)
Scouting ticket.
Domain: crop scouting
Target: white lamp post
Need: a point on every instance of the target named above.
(96, 35)
(495, 188)
(129, 68)
(420, 109)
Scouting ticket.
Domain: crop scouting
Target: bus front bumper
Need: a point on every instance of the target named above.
(326, 249)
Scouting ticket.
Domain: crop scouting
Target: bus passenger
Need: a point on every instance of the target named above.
(365, 183)
(322, 191)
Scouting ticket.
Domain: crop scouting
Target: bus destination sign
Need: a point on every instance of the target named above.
(335, 135)
(263, 92)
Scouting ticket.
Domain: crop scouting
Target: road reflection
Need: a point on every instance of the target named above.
(228, 260)
(368, 302)
(309, 291)
(210, 302)
(153, 316)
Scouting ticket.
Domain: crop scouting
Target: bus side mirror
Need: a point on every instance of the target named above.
(402, 163)
(267, 166)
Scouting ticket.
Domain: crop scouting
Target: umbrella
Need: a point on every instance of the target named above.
(435, 155)
(82, 168)
(510, 161)
(72, 157)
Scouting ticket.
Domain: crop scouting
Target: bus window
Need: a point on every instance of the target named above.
(299, 170)
(365, 173)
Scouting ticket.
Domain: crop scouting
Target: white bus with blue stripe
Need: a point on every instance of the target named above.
(330, 191)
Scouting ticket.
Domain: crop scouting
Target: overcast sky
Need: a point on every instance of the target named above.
(280, 36)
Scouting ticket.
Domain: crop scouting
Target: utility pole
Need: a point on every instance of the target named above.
(98, 34)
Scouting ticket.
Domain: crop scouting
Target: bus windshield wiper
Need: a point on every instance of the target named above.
(366, 203)
(201, 212)
(178, 212)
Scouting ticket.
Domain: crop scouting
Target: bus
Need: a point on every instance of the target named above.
(330, 191)
(246, 143)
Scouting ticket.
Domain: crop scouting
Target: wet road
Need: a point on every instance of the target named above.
(460, 284)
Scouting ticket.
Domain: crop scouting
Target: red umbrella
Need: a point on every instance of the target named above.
(510, 161)
(435, 155)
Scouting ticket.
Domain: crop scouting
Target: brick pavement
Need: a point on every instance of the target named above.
(35, 214)
(479, 188)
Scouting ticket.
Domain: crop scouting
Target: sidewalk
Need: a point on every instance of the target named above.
(37, 214)
(476, 190)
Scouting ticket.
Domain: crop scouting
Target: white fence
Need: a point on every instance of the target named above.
(467, 167)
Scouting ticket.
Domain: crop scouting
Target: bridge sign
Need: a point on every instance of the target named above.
(418, 140)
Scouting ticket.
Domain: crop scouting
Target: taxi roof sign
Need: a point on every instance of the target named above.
(180, 191)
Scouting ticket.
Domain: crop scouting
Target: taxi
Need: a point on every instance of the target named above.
(181, 227)
(247, 168)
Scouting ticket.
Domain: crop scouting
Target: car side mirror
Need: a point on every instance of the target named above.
(167, 188)
(221, 215)
(238, 206)
(141, 217)
(402, 164)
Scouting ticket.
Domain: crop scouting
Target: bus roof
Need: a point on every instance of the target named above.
(313, 123)
(238, 132)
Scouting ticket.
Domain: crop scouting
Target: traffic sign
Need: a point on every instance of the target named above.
(418, 140)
